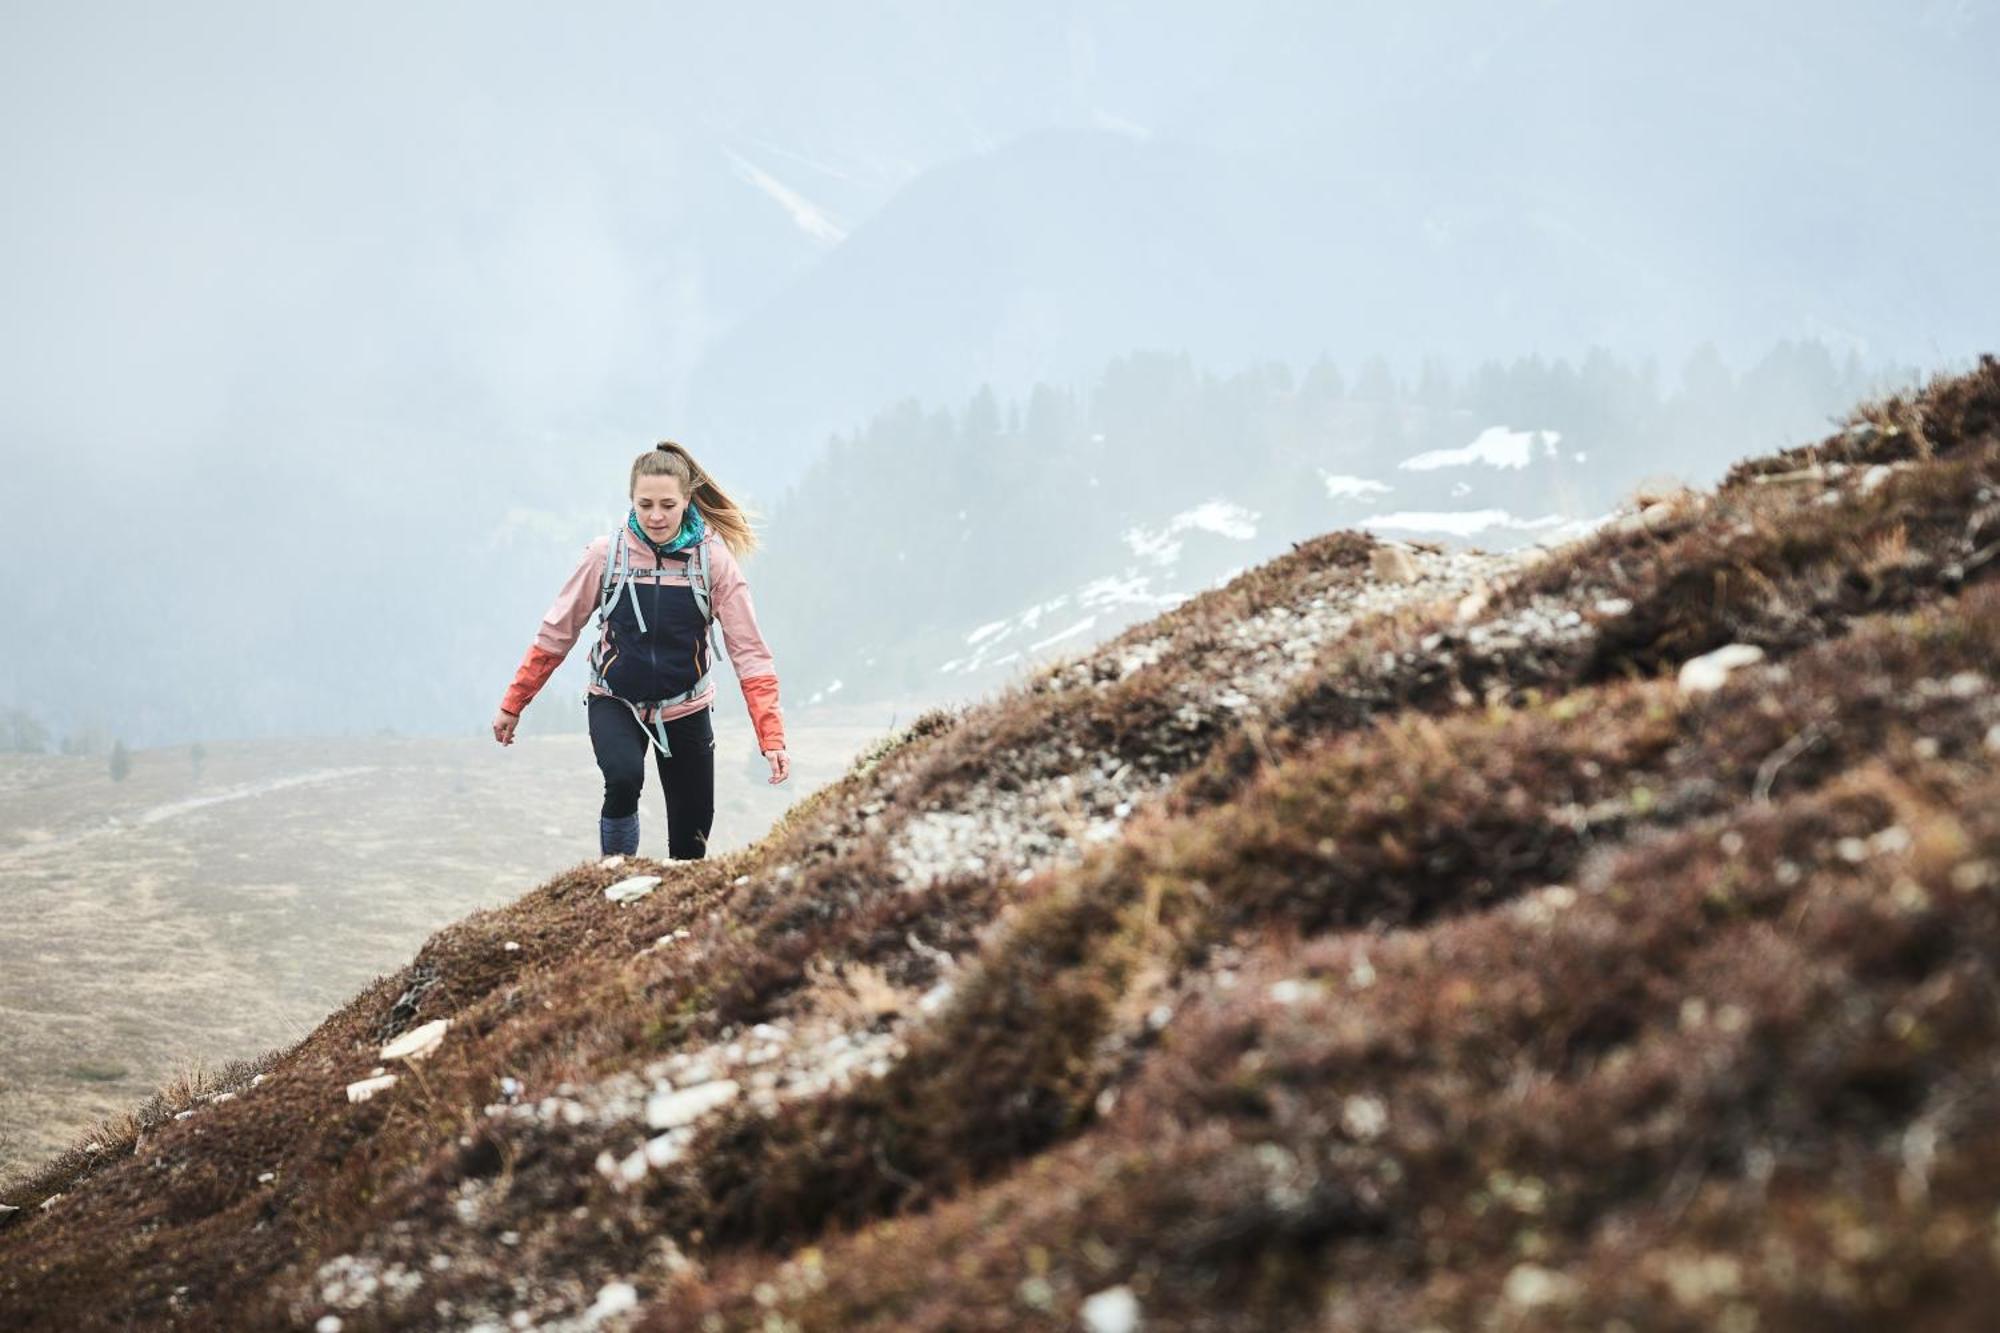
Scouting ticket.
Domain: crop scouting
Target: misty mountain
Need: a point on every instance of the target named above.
(938, 550)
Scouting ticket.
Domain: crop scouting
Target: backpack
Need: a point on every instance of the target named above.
(638, 665)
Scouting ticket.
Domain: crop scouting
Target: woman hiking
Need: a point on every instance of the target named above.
(658, 581)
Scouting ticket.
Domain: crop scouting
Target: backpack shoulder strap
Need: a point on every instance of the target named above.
(698, 578)
(613, 555)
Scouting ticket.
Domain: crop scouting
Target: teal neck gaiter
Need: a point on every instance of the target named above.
(690, 532)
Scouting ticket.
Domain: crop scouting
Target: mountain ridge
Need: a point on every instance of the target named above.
(1371, 941)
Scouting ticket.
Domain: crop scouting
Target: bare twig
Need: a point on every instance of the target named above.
(1767, 772)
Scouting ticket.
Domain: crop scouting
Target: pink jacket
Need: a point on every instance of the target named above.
(729, 594)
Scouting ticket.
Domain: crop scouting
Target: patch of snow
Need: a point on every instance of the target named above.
(807, 216)
(1340, 487)
(1496, 447)
(1078, 628)
(1221, 517)
(1457, 523)
(1130, 590)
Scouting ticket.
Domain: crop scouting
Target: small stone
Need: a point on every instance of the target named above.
(1035, 1292)
(266, 1177)
(1531, 1286)
(1113, 1310)
(1993, 739)
(626, 890)
(512, 946)
(329, 1323)
(418, 1042)
(1615, 606)
(1970, 876)
(1364, 1117)
(1393, 564)
(368, 1087)
(1709, 672)
(1965, 685)
(613, 1298)
(613, 861)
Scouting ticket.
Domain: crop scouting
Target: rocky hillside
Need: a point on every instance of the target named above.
(1390, 939)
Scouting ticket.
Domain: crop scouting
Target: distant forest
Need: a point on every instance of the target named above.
(905, 534)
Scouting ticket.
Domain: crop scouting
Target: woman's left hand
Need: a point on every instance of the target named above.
(781, 765)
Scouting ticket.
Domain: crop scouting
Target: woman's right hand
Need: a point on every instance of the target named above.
(504, 723)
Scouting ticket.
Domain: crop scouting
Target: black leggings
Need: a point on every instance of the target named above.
(688, 777)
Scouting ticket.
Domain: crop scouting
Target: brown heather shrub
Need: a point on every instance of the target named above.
(1490, 983)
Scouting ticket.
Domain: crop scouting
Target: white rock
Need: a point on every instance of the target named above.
(1532, 1286)
(266, 1177)
(638, 886)
(1113, 1310)
(670, 1110)
(1364, 1117)
(613, 861)
(328, 1323)
(512, 946)
(368, 1087)
(1993, 739)
(418, 1042)
(1393, 564)
(1701, 675)
(613, 1298)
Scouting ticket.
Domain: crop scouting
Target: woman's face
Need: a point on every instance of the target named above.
(660, 504)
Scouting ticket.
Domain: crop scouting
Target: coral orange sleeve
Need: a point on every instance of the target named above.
(529, 677)
(760, 694)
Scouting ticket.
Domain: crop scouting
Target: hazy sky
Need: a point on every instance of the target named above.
(349, 273)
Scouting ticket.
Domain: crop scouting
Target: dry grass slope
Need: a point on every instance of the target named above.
(1321, 954)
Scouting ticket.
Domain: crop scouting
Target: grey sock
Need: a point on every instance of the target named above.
(618, 835)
